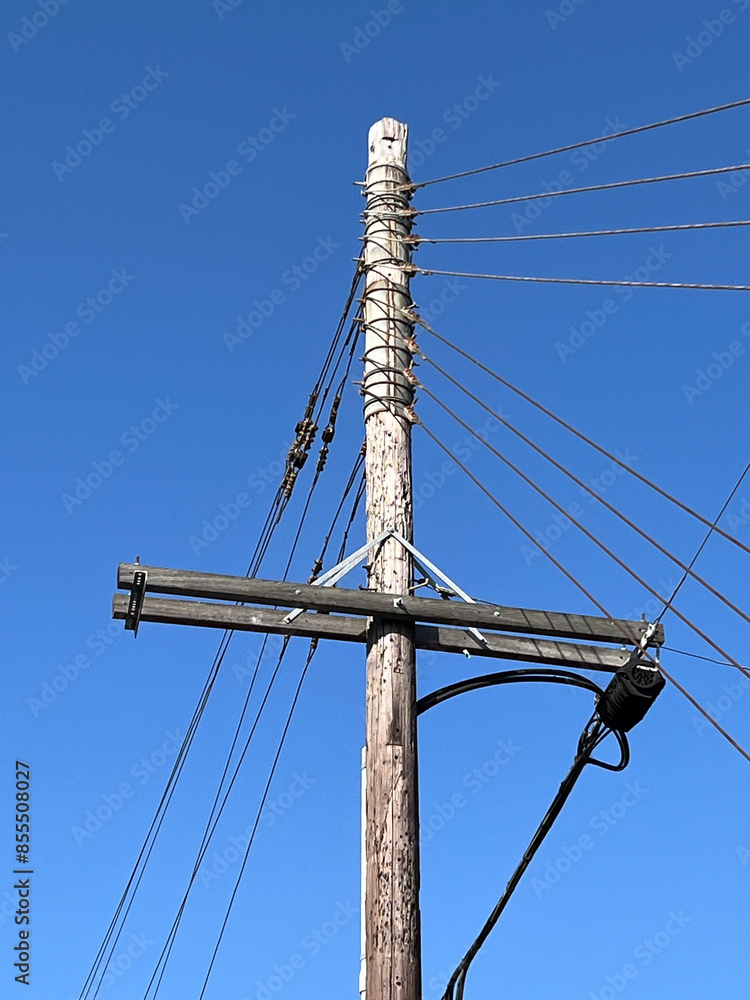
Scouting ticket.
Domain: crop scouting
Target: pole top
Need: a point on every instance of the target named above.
(387, 140)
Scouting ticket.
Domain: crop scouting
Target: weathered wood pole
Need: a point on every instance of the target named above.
(392, 923)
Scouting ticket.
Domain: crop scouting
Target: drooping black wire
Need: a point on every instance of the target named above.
(590, 738)
(586, 142)
(522, 675)
(581, 190)
(583, 437)
(626, 520)
(583, 281)
(593, 232)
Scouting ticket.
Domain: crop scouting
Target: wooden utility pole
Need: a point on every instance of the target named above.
(392, 924)
(387, 617)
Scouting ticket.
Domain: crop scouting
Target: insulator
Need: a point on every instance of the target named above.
(322, 458)
(327, 435)
(630, 694)
(299, 459)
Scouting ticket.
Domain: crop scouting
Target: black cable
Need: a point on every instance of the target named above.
(109, 942)
(586, 142)
(581, 190)
(590, 738)
(540, 675)
(583, 437)
(213, 821)
(278, 505)
(416, 240)
(311, 653)
(697, 656)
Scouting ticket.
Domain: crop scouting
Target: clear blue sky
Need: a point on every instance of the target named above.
(120, 280)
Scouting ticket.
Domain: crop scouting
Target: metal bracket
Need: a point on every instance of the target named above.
(423, 564)
(135, 601)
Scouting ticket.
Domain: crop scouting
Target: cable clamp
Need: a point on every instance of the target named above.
(135, 601)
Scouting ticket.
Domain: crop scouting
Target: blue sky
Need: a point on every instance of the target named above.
(125, 285)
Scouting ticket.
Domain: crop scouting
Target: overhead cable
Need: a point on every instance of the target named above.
(593, 232)
(586, 142)
(583, 437)
(542, 195)
(689, 569)
(588, 489)
(583, 281)
(627, 635)
(592, 537)
(589, 740)
(311, 653)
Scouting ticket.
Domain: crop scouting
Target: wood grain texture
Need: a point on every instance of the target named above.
(186, 583)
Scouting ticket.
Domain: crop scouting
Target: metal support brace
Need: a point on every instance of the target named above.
(428, 570)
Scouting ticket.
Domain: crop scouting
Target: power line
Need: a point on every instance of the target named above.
(627, 635)
(311, 653)
(212, 823)
(581, 190)
(579, 482)
(688, 569)
(584, 281)
(593, 232)
(586, 142)
(590, 535)
(416, 318)
(697, 656)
